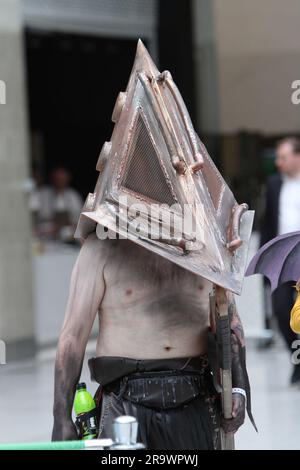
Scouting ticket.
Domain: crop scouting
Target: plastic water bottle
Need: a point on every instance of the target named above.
(83, 404)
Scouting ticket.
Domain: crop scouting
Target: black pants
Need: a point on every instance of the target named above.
(283, 299)
(187, 427)
(174, 401)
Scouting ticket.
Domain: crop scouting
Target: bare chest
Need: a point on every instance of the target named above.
(140, 282)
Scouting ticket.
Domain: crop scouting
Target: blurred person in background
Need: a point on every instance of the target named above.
(282, 215)
(55, 208)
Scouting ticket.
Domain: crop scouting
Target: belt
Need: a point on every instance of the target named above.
(107, 369)
(160, 390)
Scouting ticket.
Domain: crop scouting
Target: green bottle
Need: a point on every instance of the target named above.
(83, 404)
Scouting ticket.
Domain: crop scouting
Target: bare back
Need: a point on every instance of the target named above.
(150, 308)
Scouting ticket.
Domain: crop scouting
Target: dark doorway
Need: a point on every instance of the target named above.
(73, 82)
(176, 48)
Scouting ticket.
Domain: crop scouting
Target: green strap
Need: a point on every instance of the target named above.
(63, 445)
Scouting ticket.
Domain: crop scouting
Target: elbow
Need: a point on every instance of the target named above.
(69, 344)
(68, 336)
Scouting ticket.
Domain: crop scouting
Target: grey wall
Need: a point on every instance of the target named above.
(248, 56)
(116, 18)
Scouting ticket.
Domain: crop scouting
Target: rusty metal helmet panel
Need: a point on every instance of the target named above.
(159, 187)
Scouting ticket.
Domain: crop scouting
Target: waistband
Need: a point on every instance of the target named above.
(107, 369)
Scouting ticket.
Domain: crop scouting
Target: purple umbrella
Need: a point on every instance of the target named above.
(278, 260)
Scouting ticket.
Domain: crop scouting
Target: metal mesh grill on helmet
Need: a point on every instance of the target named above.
(144, 174)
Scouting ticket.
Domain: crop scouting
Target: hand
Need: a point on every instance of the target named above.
(64, 431)
(238, 414)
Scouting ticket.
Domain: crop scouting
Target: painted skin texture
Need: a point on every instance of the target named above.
(147, 307)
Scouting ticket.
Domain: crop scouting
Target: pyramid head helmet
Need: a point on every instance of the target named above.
(159, 187)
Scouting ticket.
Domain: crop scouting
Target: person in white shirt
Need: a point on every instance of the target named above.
(282, 215)
(289, 198)
(56, 207)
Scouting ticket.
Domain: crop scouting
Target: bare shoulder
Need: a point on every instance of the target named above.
(94, 252)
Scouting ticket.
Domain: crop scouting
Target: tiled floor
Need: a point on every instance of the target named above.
(27, 395)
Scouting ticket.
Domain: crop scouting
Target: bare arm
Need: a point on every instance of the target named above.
(237, 342)
(238, 376)
(85, 295)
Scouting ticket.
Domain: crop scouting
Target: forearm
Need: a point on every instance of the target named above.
(68, 367)
(237, 339)
(237, 369)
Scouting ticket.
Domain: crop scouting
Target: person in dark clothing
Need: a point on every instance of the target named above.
(282, 215)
